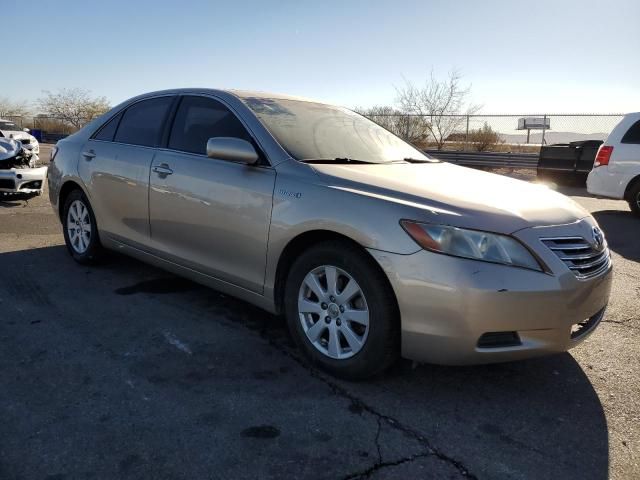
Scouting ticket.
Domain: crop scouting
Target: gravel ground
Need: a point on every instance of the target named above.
(124, 371)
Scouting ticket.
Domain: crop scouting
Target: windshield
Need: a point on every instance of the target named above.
(315, 131)
(9, 126)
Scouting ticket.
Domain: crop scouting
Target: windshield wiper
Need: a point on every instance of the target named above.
(418, 160)
(336, 160)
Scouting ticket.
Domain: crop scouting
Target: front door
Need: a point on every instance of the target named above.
(208, 214)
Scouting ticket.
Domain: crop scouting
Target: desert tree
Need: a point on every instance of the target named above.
(442, 103)
(412, 128)
(10, 108)
(75, 106)
(484, 138)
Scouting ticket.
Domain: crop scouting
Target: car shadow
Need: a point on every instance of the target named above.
(622, 230)
(13, 200)
(531, 419)
(538, 418)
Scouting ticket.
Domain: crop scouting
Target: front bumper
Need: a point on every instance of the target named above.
(23, 180)
(448, 304)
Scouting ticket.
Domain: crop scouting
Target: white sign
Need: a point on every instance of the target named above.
(534, 123)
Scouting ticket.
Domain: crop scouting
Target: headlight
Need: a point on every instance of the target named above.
(473, 244)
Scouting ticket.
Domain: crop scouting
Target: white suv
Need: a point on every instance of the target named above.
(616, 171)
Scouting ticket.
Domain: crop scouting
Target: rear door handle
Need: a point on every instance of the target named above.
(162, 170)
(89, 155)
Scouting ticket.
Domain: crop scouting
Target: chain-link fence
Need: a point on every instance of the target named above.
(498, 133)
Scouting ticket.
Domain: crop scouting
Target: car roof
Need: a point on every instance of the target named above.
(241, 94)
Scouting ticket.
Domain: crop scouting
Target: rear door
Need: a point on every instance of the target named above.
(625, 158)
(115, 164)
(208, 214)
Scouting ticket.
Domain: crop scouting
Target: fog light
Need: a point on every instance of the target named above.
(499, 340)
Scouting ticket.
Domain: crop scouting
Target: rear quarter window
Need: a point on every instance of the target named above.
(633, 134)
(108, 130)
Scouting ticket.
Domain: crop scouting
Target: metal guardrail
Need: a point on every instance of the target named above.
(486, 159)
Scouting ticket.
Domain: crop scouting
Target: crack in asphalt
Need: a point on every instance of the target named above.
(380, 465)
(377, 440)
(623, 323)
(430, 449)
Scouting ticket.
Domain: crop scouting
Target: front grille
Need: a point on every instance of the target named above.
(7, 183)
(579, 255)
(25, 141)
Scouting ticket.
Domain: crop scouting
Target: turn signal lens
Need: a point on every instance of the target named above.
(603, 155)
(472, 244)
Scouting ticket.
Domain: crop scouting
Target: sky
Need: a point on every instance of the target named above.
(562, 56)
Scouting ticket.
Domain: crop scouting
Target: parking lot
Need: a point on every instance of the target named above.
(125, 371)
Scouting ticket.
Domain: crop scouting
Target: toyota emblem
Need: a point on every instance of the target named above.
(598, 238)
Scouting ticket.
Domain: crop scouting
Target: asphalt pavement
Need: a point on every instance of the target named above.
(126, 371)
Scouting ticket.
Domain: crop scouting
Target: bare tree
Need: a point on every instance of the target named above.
(442, 103)
(484, 138)
(412, 128)
(75, 106)
(9, 108)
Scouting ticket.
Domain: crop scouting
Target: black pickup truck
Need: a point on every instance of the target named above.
(568, 163)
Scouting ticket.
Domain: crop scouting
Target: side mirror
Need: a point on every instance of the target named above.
(232, 149)
(26, 130)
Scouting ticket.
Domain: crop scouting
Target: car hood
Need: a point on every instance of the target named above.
(457, 195)
(17, 134)
(9, 148)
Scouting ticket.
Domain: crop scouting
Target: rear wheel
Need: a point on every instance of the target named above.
(341, 311)
(80, 229)
(634, 199)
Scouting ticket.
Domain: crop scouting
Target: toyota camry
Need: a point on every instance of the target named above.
(369, 248)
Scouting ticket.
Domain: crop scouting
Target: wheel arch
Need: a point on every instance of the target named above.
(67, 187)
(630, 186)
(306, 240)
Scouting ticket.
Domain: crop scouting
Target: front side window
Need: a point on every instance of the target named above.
(633, 134)
(142, 122)
(198, 119)
(315, 131)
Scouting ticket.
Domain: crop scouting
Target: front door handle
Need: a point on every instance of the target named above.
(163, 170)
(89, 155)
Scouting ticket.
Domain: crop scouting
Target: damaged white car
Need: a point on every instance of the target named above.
(19, 170)
(8, 129)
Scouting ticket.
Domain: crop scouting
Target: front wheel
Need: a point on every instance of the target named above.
(80, 229)
(341, 311)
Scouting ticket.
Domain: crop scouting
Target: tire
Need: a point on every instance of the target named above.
(83, 244)
(634, 199)
(337, 322)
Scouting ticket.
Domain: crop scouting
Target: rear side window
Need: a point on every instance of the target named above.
(109, 129)
(198, 119)
(633, 134)
(142, 122)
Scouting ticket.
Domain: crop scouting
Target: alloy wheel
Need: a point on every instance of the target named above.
(333, 312)
(79, 226)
